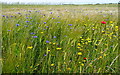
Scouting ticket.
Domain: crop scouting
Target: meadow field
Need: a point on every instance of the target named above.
(60, 38)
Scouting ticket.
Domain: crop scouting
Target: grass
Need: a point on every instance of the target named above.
(59, 39)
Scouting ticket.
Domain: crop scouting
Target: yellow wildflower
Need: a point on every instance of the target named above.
(76, 20)
(50, 42)
(84, 60)
(59, 69)
(41, 32)
(52, 64)
(78, 44)
(30, 47)
(101, 52)
(68, 68)
(89, 41)
(53, 43)
(111, 21)
(80, 37)
(82, 64)
(103, 31)
(100, 57)
(79, 53)
(116, 27)
(104, 54)
(81, 49)
(58, 48)
(48, 50)
(64, 62)
(30, 66)
(78, 47)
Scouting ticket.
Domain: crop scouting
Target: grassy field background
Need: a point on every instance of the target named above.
(60, 38)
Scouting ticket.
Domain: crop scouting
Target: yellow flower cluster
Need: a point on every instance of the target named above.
(79, 53)
(29, 47)
(52, 64)
(58, 48)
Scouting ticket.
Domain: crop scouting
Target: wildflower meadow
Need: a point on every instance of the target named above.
(60, 38)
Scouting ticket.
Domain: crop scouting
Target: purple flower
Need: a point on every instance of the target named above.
(11, 16)
(58, 22)
(25, 25)
(26, 17)
(6, 16)
(46, 26)
(27, 21)
(45, 55)
(54, 37)
(58, 16)
(50, 12)
(9, 30)
(47, 41)
(44, 22)
(3, 15)
(71, 28)
(19, 13)
(30, 11)
(32, 33)
(53, 18)
(34, 36)
(17, 25)
(70, 24)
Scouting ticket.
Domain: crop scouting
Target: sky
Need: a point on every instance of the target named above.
(62, 1)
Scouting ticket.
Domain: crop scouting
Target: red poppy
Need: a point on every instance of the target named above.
(103, 22)
(84, 58)
(58, 45)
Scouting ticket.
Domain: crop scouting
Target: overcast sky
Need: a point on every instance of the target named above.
(62, 1)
